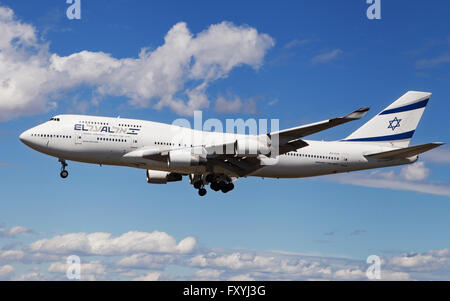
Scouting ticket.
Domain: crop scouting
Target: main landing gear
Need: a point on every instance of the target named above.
(222, 185)
(201, 188)
(217, 182)
(64, 173)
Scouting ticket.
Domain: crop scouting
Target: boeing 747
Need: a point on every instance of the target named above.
(169, 152)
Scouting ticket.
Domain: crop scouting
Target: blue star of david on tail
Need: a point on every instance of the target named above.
(395, 123)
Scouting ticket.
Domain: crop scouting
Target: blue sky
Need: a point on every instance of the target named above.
(317, 60)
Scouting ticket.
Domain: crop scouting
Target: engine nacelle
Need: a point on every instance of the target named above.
(162, 177)
(184, 158)
(252, 146)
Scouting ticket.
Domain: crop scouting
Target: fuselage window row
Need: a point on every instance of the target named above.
(94, 122)
(106, 123)
(111, 139)
(312, 156)
(51, 136)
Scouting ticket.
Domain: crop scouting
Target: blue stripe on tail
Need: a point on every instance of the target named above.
(410, 107)
(401, 136)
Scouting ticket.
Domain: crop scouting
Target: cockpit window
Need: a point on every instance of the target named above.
(54, 119)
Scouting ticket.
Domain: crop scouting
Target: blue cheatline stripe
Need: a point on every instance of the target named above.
(410, 107)
(401, 136)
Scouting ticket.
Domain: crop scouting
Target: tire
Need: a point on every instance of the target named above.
(202, 192)
(215, 186)
(64, 174)
(198, 184)
(227, 187)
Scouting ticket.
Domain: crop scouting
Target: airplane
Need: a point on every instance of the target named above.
(169, 152)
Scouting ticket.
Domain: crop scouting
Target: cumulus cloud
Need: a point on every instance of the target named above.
(349, 274)
(174, 75)
(89, 271)
(279, 267)
(327, 56)
(105, 244)
(148, 277)
(428, 261)
(146, 256)
(6, 272)
(415, 172)
(357, 274)
(145, 261)
(15, 231)
(12, 255)
(208, 274)
(33, 276)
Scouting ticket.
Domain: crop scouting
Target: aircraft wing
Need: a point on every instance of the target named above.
(301, 131)
(234, 166)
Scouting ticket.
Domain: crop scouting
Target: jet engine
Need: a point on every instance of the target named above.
(162, 177)
(184, 158)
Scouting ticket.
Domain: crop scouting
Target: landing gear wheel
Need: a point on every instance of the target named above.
(198, 184)
(64, 174)
(227, 187)
(215, 186)
(202, 192)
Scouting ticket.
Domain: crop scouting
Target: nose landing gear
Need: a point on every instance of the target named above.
(64, 173)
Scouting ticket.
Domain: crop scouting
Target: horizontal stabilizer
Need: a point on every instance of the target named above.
(405, 152)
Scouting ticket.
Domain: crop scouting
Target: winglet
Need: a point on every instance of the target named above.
(358, 114)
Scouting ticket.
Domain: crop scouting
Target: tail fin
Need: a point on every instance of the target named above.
(395, 125)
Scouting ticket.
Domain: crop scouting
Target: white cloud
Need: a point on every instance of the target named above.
(33, 276)
(411, 179)
(415, 172)
(128, 255)
(433, 62)
(357, 274)
(349, 274)
(208, 274)
(14, 231)
(428, 261)
(174, 75)
(277, 267)
(296, 43)
(327, 56)
(242, 277)
(88, 271)
(105, 244)
(236, 105)
(6, 271)
(145, 261)
(148, 277)
(11, 255)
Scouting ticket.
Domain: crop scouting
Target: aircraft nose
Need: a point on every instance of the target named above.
(24, 137)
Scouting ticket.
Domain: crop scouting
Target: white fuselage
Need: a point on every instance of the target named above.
(105, 141)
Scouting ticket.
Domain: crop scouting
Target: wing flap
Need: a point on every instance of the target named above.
(405, 152)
